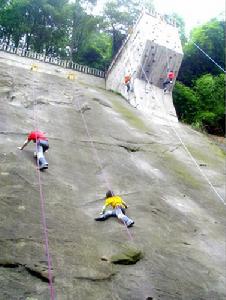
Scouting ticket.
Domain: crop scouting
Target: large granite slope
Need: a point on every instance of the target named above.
(179, 220)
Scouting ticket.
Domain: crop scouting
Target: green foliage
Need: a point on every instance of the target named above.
(120, 15)
(211, 92)
(185, 101)
(97, 52)
(199, 98)
(210, 37)
(82, 26)
(40, 21)
(202, 106)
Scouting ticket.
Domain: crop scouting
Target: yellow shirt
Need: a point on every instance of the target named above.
(115, 201)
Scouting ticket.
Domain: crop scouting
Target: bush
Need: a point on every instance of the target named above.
(210, 92)
(203, 105)
(185, 102)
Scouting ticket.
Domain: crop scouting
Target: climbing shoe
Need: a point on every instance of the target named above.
(43, 167)
(130, 224)
(99, 219)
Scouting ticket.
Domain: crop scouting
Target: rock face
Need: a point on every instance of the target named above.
(128, 256)
(98, 141)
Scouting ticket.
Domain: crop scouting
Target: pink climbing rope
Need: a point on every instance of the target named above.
(42, 208)
(45, 229)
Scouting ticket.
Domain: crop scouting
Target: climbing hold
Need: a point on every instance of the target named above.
(71, 76)
(104, 258)
(34, 67)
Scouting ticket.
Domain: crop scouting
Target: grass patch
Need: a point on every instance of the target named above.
(180, 171)
(210, 155)
(116, 93)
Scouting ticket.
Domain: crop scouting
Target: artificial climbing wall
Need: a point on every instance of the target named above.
(150, 50)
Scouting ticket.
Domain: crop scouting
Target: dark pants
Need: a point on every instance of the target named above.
(166, 83)
(128, 86)
(118, 212)
(42, 146)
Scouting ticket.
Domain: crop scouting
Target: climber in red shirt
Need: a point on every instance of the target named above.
(42, 145)
(127, 80)
(169, 80)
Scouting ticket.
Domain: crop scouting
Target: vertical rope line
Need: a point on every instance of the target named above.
(208, 57)
(195, 162)
(98, 161)
(182, 143)
(42, 202)
(186, 149)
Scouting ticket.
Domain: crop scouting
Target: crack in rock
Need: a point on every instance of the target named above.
(172, 150)
(130, 148)
(102, 102)
(37, 271)
(101, 278)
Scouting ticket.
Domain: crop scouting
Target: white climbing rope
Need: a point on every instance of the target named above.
(210, 58)
(186, 149)
(180, 139)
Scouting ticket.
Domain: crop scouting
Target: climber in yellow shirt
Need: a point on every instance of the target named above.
(118, 211)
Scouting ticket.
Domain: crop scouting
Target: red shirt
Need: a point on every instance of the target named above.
(36, 135)
(171, 75)
(127, 79)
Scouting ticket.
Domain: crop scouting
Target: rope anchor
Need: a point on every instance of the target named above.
(71, 76)
(34, 67)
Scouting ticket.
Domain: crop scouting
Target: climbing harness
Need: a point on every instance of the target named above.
(42, 201)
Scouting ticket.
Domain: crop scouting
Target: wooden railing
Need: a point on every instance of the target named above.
(52, 60)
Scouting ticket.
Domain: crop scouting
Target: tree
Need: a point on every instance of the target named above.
(203, 105)
(40, 21)
(81, 26)
(185, 101)
(210, 37)
(97, 52)
(3, 4)
(120, 15)
(210, 92)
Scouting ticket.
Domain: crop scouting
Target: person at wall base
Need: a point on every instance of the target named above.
(119, 207)
(127, 80)
(168, 81)
(42, 145)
